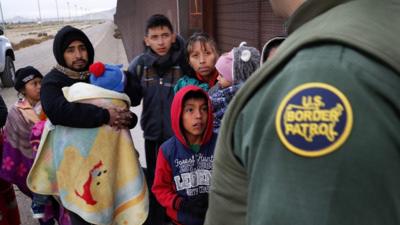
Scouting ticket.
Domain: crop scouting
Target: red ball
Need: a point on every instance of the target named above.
(97, 69)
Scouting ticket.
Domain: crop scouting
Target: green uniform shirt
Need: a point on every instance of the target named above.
(314, 136)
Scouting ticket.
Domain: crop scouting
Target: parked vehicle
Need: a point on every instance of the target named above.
(7, 58)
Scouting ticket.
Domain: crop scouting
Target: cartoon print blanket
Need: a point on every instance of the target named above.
(95, 172)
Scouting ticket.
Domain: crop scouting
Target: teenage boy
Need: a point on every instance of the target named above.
(184, 163)
(153, 74)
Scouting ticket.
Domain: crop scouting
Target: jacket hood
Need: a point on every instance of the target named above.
(65, 37)
(176, 114)
(312, 8)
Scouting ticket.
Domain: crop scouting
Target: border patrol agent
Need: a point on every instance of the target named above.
(313, 136)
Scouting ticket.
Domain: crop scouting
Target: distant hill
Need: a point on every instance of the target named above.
(20, 19)
(102, 15)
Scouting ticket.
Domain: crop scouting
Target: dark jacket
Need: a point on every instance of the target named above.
(220, 98)
(181, 174)
(62, 112)
(155, 83)
(3, 112)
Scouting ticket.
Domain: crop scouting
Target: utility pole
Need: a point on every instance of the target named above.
(89, 14)
(58, 15)
(2, 18)
(76, 11)
(40, 14)
(69, 11)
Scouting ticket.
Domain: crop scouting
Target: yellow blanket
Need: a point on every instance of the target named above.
(95, 172)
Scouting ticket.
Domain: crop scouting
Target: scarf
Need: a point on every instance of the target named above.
(72, 74)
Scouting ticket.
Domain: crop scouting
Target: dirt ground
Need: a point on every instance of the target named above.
(19, 32)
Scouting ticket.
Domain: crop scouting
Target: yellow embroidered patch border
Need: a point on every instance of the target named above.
(314, 119)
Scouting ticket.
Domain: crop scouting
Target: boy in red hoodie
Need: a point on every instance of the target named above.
(184, 162)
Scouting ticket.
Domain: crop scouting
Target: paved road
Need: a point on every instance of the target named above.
(107, 49)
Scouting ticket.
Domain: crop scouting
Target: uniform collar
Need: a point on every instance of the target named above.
(309, 10)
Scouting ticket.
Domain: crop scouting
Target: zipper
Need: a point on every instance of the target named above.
(162, 109)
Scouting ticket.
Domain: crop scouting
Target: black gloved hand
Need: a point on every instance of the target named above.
(196, 206)
(134, 120)
(202, 200)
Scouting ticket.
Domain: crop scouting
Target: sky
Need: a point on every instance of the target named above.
(48, 9)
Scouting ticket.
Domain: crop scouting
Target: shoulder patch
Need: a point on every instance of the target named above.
(314, 119)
